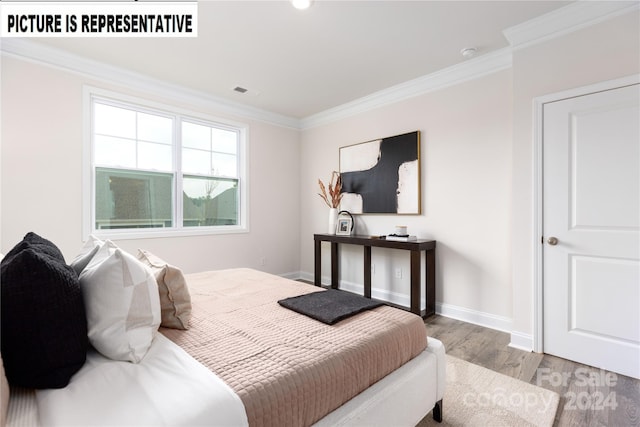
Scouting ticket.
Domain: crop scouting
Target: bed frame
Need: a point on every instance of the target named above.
(401, 398)
(404, 397)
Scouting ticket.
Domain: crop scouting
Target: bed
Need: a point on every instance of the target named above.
(246, 360)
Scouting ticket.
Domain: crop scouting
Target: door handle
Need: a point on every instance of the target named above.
(552, 241)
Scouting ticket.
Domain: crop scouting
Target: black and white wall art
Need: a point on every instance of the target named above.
(382, 176)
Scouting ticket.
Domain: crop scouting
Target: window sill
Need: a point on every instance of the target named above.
(168, 232)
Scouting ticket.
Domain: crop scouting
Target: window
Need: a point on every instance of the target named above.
(155, 171)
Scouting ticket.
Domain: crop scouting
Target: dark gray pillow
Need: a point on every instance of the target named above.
(44, 326)
(32, 240)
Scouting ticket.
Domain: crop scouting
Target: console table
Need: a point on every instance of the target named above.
(415, 247)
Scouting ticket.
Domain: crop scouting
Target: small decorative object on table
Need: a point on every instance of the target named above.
(332, 198)
(345, 223)
(401, 235)
(401, 238)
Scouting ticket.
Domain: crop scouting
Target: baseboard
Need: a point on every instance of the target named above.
(521, 341)
(358, 288)
(479, 318)
(303, 275)
(294, 275)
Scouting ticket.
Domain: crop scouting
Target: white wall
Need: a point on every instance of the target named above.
(466, 193)
(598, 53)
(41, 177)
(477, 175)
(477, 178)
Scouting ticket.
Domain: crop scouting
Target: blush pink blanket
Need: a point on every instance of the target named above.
(288, 369)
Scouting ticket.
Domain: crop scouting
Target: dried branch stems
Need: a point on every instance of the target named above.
(332, 199)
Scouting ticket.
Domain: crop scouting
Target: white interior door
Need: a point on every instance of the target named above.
(591, 227)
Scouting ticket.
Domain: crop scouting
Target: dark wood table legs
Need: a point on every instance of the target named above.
(430, 282)
(415, 247)
(367, 271)
(335, 266)
(415, 282)
(317, 271)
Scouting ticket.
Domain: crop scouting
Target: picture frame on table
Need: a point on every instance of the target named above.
(344, 226)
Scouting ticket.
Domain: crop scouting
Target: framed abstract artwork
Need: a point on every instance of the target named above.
(382, 176)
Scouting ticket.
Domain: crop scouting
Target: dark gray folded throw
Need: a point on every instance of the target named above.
(330, 306)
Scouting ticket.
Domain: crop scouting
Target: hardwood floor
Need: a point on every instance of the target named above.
(588, 396)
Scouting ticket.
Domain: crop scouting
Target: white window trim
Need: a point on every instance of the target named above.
(88, 173)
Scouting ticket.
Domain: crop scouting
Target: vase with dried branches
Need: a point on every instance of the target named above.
(332, 196)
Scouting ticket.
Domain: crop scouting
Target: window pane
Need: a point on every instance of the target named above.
(110, 151)
(224, 141)
(130, 199)
(224, 165)
(210, 201)
(154, 156)
(114, 121)
(196, 161)
(139, 160)
(155, 128)
(196, 136)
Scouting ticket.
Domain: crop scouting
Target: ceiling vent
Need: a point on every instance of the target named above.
(244, 91)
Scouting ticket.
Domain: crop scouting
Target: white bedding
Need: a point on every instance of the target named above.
(169, 387)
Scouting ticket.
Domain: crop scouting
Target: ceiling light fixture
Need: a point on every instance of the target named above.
(469, 52)
(301, 4)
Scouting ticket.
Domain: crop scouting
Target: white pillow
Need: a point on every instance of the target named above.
(86, 253)
(122, 303)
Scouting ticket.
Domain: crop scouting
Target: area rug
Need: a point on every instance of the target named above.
(476, 396)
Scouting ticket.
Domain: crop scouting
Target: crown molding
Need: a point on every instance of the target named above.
(576, 15)
(567, 19)
(63, 60)
(472, 69)
(76, 64)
